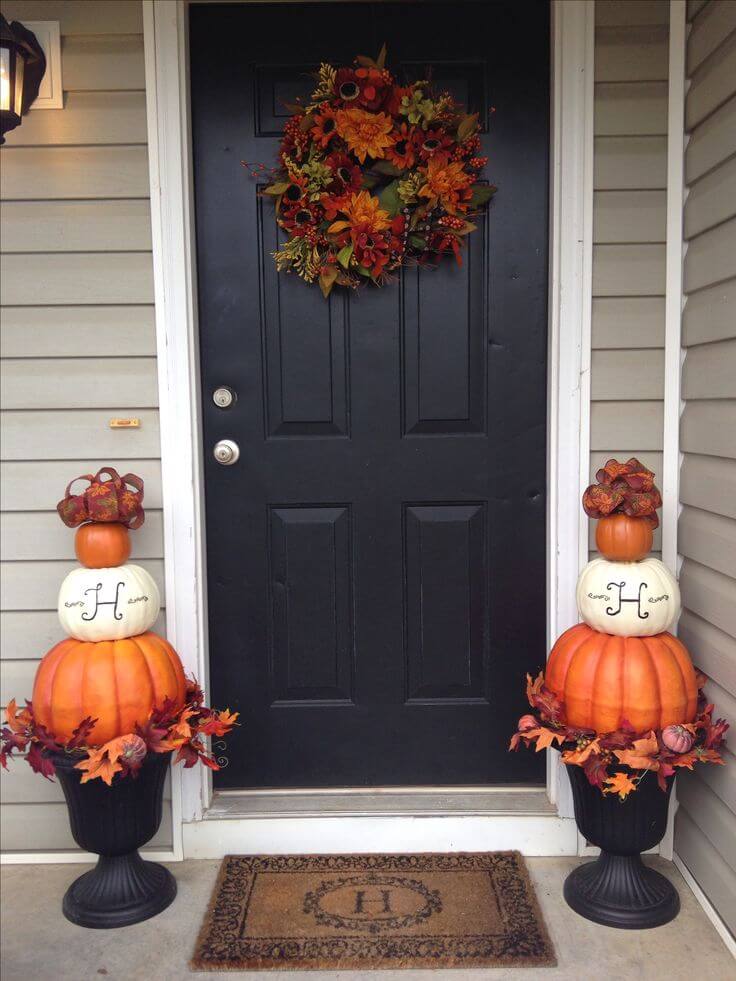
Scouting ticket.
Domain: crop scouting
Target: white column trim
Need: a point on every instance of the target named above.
(571, 186)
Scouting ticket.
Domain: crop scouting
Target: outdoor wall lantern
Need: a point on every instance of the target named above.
(22, 65)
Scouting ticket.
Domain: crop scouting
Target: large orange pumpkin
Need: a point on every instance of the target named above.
(102, 544)
(603, 680)
(117, 682)
(621, 538)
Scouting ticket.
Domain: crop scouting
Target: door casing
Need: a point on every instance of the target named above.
(571, 203)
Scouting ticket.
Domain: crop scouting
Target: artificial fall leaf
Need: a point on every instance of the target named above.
(13, 741)
(640, 756)
(665, 770)
(80, 736)
(40, 763)
(219, 723)
(579, 756)
(545, 737)
(128, 750)
(17, 720)
(153, 735)
(596, 770)
(98, 764)
(620, 783)
(709, 756)
(182, 729)
(714, 734)
(688, 759)
(700, 679)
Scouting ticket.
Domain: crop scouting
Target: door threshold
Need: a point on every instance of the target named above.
(380, 801)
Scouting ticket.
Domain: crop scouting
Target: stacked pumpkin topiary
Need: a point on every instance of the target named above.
(111, 667)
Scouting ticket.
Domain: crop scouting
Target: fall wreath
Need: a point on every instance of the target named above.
(372, 176)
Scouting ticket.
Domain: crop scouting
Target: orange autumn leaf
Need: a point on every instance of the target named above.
(17, 721)
(99, 764)
(545, 737)
(639, 757)
(621, 784)
(579, 756)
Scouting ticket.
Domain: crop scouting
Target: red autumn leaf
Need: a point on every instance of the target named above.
(81, 734)
(665, 770)
(44, 737)
(596, 770)
(714, 734)
(40, 763)
(153, 736)
(208, 761)
(187, 755)
(219, 723)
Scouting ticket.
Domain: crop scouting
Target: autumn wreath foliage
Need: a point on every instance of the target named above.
(373, 175)
(617, 761)
(168, 729)
(623, 488)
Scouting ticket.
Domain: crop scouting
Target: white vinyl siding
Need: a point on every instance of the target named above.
(705, 826)
(78, 347)
(629, 233)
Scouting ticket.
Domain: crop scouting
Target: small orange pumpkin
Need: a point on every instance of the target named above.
(622, 538)
(102, 544)
(604, 680)
(117, 682)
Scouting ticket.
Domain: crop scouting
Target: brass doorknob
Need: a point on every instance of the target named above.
(226, 452)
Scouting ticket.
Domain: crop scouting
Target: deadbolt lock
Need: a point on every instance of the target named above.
(223, 397)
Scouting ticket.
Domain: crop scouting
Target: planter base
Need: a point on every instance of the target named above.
(620, 891)
(118, 892)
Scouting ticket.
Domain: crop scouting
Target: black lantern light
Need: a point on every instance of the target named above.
(22, 65)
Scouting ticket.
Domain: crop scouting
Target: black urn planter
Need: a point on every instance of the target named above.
(114, 822)
(617, 889)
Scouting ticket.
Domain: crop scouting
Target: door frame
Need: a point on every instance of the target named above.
(175, 291)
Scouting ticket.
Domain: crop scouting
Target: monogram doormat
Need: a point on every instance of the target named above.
(333, 912)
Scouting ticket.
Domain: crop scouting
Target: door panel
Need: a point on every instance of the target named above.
(376, 558)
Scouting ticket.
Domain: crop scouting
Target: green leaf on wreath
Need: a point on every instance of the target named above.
(327, 280)
(276, 189)
(365, 62)
(386, 167)
(369, 181)
(381, 59)
(468, 125)
(365, 272)
(389, 199)
(345, 255)
(418, 242)
(481, 194)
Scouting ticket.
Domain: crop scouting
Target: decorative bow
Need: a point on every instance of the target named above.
(623, 488)
(115, 498)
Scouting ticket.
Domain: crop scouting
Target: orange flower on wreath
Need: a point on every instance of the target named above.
(362, 209)
(402, 152)
(367, 134)
(447, 184)
(325, 126)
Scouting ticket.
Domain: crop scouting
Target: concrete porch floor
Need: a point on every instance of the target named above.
(38, 944)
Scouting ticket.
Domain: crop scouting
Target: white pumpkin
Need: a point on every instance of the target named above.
(108, 604)
(628, 599)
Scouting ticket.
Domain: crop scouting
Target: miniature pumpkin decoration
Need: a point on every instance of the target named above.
(629, 599)
(622, 538)
(116, 682)
(108, 604)
(678, 739)
(100, 545)
(606, 680)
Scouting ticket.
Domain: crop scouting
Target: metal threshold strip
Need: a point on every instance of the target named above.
(381, 801)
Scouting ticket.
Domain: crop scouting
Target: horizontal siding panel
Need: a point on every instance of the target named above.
(629, 216)
(50, 435)
(78, 383)
(628, 321)
(37, 486)
(105, 63)
(724, 702)
(721, 779)
(714, 877)
(712, 84)
(712, 650)
(636, 109)
(20, 785)
(713, 817)
(709, 482)
(76, 226)
(709, 371)
(78, 277)
(708, 31)
(629, 270)
(26, 635)
(712, 142)
(74, 331)
(45, 827)
(709, 539)
(621, 375)
(630, 162)
(42, 535)
(615, 13)
(709, 428)
(637, 422)
(694, 7)
(710, 595)
(711, 257)
(120, 17)
(74, 172)
(89, 118)
(709, 314)
(35, 585)
(631, 53)
(712, 199)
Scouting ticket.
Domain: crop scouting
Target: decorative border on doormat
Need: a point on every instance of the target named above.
(523, 942)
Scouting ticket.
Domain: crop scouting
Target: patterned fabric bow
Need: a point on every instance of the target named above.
(109, 497)
(623, 488)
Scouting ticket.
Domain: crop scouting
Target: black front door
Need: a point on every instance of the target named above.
(376, 557)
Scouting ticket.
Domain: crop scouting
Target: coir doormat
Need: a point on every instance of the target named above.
(332, 912)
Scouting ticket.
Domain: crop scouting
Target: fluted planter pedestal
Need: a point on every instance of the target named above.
(114, 822)
(617, 889)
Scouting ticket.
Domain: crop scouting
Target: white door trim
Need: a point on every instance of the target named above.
(571, 186)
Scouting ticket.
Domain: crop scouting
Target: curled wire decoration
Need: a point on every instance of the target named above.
(219, 747)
